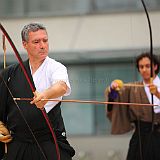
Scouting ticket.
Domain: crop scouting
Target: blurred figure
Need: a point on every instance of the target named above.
(145, 141)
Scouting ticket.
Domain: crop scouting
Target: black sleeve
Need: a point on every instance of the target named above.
(3, 95)
(3, 101)
(1, 150)
(1, 116)
(110, 106)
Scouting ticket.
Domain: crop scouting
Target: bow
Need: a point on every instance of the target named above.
(151, 60)
(4, 51)
(151, 48)
(33, 90)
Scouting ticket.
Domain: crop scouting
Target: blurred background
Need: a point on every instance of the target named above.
(98, 41)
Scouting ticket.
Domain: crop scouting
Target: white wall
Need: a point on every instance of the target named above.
(96, 32)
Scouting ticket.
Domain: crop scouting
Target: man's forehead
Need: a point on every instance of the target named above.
(144, 59)
(37, 32)
(40, 34)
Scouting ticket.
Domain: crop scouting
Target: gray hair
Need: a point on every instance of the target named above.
(32, 27)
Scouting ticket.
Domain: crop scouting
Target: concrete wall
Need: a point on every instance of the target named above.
(95, 32)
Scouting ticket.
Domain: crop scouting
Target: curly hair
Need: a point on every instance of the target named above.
(154, 59)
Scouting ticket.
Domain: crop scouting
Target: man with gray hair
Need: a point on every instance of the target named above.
(50, 80)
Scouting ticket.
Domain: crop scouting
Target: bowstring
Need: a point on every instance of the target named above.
(151, 76)
(21, 113)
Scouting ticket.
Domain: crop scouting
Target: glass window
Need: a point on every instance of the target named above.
(57, 7)
(79, 117)
(124, 5)
(104, 75)
(13, 8)
(34, 8)
(88, 83)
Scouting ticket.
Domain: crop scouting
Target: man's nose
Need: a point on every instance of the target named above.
(144, 68)
(42, 44)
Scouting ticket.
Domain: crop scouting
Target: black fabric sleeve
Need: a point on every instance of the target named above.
(1, 150)
(110, 106)
(3, 102)
(2, 89)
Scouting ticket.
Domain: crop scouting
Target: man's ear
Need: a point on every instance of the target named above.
(24, 44)
(155, 67)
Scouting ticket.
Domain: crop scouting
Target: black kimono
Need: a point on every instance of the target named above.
(23, 145)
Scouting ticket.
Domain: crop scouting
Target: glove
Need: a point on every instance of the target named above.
(5, 136)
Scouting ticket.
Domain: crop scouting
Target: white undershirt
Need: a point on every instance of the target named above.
(156, 100)
(48, 74)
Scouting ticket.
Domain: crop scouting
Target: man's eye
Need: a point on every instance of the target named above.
(148, 66)
(45, 40)
(141, 67)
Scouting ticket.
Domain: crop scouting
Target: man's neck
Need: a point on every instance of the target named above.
(35, 65)
(148, 81)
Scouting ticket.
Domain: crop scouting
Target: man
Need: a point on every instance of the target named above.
(145, 142)
(50, 80)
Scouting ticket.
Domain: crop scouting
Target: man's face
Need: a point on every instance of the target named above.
(145, 68)
(37, 45)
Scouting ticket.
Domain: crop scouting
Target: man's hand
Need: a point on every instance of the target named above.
(116, 84)
(5, 136)
(37, 100)
(153, 89)
(112, 90)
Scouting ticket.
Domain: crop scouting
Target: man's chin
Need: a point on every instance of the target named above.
(43, 56)
(147, 79)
